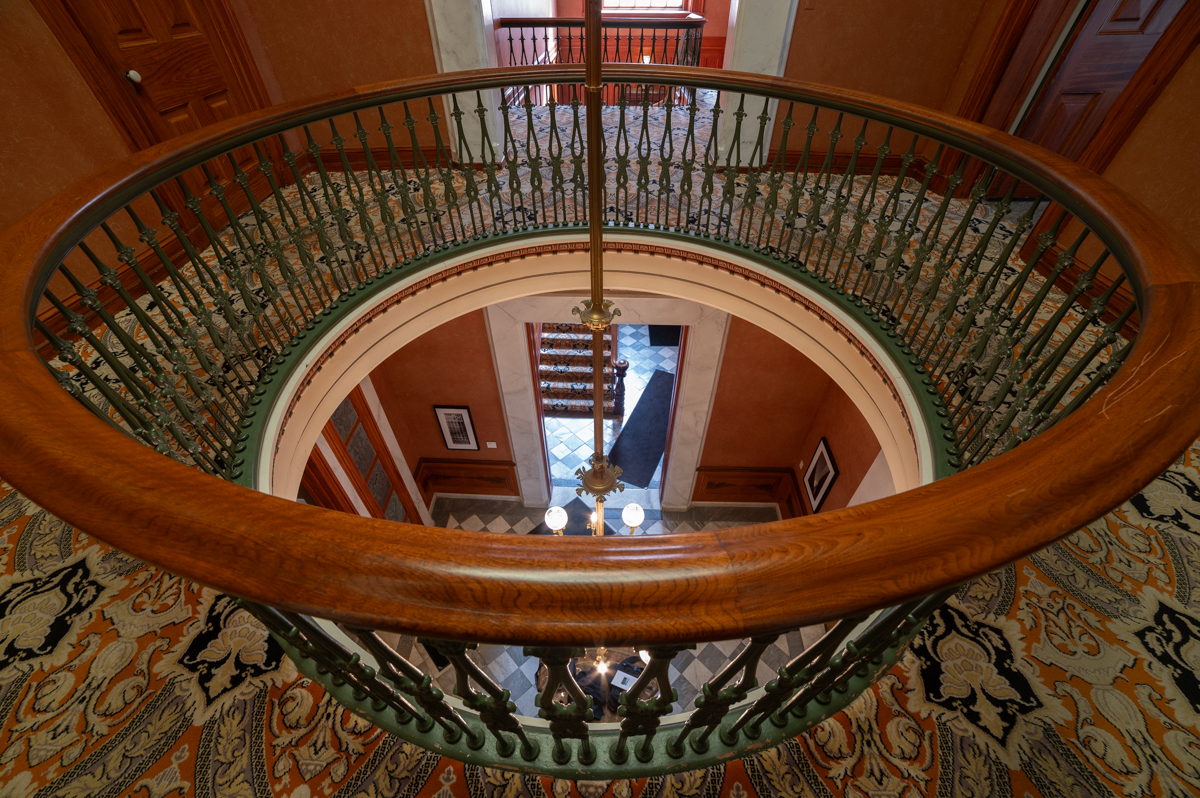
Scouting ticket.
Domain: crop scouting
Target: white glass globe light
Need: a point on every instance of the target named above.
(556, 518)
(633, 515)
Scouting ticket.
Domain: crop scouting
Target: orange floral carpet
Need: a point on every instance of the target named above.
(1074, 672)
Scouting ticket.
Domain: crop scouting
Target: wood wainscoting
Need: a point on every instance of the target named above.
(767, 485)
(712, 52)
(481, 477)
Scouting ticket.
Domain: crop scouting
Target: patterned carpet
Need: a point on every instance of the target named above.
(1073, 672)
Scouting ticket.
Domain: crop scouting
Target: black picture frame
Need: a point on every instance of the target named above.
(458, 431)
(820, 475)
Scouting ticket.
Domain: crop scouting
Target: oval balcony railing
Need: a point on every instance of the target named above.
(1055, 344)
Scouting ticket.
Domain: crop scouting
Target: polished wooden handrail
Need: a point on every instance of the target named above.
(686, 587)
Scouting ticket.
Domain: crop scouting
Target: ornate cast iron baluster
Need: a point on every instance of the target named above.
(566, 718)
(642, 718)
(716, 699)
(495, 709)
(400, 182)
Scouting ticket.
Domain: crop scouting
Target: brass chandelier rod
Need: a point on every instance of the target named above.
(596, 313)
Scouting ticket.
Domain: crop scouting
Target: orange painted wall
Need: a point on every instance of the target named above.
(449, 365)
(851, 442)
(905, 49)
(773, 404)
(1158, 163)
(53, 131)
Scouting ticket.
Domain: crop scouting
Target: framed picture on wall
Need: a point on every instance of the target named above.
(820, 475)
(457, 429)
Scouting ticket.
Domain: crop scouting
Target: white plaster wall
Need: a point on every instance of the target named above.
(567, 273)
(760, 34)
(463, 39)
(876, 483)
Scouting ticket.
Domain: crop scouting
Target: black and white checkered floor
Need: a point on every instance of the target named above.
(569, 441)
(517, 673)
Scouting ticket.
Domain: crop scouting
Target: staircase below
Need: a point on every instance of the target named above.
(565, 372)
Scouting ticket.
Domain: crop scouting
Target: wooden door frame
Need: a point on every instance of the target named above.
(1173, 48)
(117, 96)
(534, 335)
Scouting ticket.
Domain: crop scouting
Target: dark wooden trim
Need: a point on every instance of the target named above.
(731, 484)
(116, 94)
(481, 477)
(355, 476)
(534, 335)
(712, 49)
(652, 590)
(1172, 50)
(997, 58)
(371, 427)
(323, 485)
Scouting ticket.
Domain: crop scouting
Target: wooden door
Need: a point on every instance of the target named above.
(1112, 42)
(194, 67)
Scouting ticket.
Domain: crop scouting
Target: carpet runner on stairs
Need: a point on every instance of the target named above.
(565, 371)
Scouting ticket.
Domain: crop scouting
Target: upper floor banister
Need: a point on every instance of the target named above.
(180, 343)
(661, 36)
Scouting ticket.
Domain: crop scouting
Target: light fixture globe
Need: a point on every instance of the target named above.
(556, 519)
(633, 515)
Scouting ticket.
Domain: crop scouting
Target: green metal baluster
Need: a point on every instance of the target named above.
(338, 276)
(716, 699)
(358, 200)
(927, 244)
(252, 257)
(621, 160)
(687, 165)
(270, 237)
(862, 215)
(68, 354)
(382, 200)
(495, 709)
(567, 720)
(490, 170)
(775, 177)
(796, 192)
(642, 718)
(842, 196)
(444, 164)
(554, 156)
(792, 675)
(733, 163)
(470, 187)
(236, 329)
(754, 170)
(644, 150)
(335, 209)
(578, 161)
(883, 230)
(194, 303)
(666, 155)
(969, 268)
(712, 156)
(978, 301)
(533, 156)
(896, 264)
(400, 182)
(819, 193)
(520, 216)
(272, 337)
